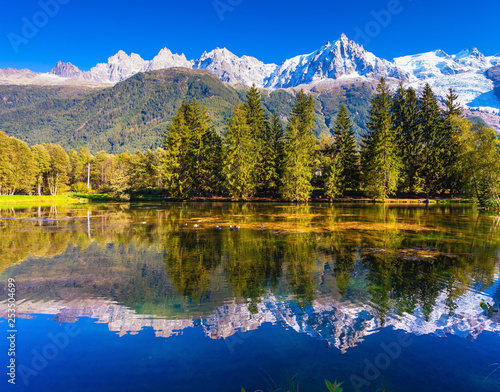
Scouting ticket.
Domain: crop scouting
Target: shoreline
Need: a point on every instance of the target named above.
(26, 200)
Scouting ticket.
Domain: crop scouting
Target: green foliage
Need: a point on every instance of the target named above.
(335, 387)
(406, 118)
(381, 161)
(299, 144)
(240, 163)
(131, 115)
(432, 140)
(267, 138)
(193, 151)
(345, 150)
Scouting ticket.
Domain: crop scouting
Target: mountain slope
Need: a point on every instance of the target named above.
(134, 113)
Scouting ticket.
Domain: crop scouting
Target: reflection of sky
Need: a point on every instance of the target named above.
(97, 360)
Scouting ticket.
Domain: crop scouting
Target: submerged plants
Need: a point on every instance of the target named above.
(488, 308)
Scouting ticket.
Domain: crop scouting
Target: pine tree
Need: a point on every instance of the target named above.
(345, 150)
(193, 153)
(179, 155)
(239, 163)
(299, 148)
(452, 178)
(381, 161)
(207, 153)
(259, 126)
(408, 133)
(275, 152)
(432, 141)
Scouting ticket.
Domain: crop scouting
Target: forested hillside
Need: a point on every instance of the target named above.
(134, 114)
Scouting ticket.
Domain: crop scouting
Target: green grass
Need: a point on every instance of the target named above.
(35, 200)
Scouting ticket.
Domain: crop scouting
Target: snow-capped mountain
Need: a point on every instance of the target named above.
(232, 69)
(466, 72)
(166, 59)
(473, 75)
(121, 66)
(342, 58)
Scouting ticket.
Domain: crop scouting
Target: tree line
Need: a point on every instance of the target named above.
(412, 146)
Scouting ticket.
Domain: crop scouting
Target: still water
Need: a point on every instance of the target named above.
(143, 297)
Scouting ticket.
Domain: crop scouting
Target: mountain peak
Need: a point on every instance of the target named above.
(232, 69)
(471, 52)
(342, 58)
(66, 70)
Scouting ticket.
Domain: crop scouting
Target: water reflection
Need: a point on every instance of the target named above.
(335, 273)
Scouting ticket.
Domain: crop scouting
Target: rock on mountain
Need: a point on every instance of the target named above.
(166, 59)
(468, 72)
(66, 70)
(232, 69)
(342, 58)
(119, 67)
(494, 75)
(122, 66)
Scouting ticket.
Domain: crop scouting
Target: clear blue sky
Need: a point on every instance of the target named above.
(86, 32)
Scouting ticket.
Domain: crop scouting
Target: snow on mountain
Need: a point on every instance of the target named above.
(232, 69)
(465, 72)
(332, 61)
(166, 59)
(119, 67)
(342, 60)
(122, 66)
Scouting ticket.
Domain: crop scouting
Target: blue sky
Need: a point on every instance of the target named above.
(86, 32)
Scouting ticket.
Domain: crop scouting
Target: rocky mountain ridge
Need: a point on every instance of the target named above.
(469, 72)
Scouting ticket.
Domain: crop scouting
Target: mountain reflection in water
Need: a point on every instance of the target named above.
(337, 273)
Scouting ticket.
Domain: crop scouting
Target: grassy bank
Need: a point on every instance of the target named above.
(83, 198)
(24, 200)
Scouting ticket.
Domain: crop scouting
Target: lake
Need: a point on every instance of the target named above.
(140, 297)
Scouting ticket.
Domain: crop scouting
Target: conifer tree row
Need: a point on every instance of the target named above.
(412, 145)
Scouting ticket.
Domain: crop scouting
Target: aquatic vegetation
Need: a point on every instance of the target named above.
(488, 308)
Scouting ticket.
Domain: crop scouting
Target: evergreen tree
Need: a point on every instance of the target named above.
(408, 133)
(344, 148)
(299, 146)
(193, 153)
(260, 130)
(452, 179)
(179, 155)
(432, 141)
(275, 152)
(239, 163)
(381, 161)
(333, 176)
